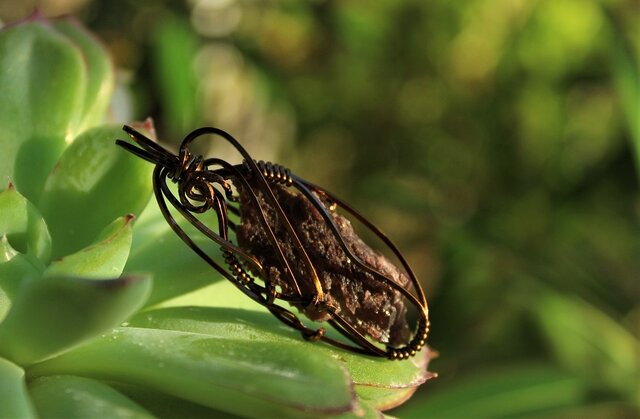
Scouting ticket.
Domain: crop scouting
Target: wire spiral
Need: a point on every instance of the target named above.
(272, 172)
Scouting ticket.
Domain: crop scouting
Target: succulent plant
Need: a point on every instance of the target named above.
(103, 311)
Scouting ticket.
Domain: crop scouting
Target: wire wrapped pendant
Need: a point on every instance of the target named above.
(291, 245)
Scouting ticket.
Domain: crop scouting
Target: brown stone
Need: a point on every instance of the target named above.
(371, 306)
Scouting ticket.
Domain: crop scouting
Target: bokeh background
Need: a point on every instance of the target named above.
(496, 141)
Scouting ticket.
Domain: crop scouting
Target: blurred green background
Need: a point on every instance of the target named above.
(496, 141)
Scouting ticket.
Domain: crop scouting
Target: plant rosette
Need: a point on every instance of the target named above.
(84, 331)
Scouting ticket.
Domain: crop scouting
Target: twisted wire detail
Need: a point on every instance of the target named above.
(272, 172)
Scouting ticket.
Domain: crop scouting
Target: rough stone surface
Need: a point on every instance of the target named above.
(369, 305)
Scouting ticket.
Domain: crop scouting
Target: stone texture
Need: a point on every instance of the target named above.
(369, 305)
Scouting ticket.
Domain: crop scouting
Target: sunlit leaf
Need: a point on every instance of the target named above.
(51, 315)
(13, 392)
(257, 327)
(23, 225)
(104, 259)
(99, 70)
(157, 250)
(94, 183)
(14, 268)
(269, 379)
(42, 82)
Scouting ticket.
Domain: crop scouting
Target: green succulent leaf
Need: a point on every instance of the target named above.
(64, 396)
(99, 70)
(13, 392)
(69, 311)
(228, 311)
(104, 259)
(176, 269)
(93, 183)
(14, 268)
(271, 379)
(383, 383)
(23, 225)
(42, 79)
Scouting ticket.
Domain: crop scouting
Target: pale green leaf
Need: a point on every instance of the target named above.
(99, 69)
(228, 310)
(51, 315)
(256, 379)
(94, 183)
(256, 327)
(42, 84)
(14, 399)
(176, 269)
(23, 225)
(14, 268)
(104, 259)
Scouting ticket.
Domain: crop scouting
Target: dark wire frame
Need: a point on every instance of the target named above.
(196, 178)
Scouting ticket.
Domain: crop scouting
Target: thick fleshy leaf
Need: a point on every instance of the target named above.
(176, 269)
(13, 392)
(272, 379)
(94, 183)
(51, 315)
(14, 268)
(64, 396)
(257, 327)
(515, 392)
(589, 342)
(23, 225)
(42, 85)
(100, 78)
(104, 259)
(223, 314)
(224, 310)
